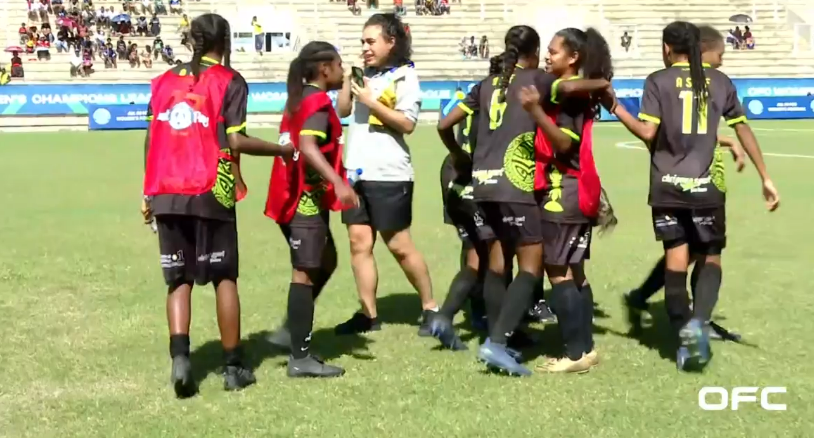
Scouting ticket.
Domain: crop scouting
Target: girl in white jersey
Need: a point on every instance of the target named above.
(384, 110)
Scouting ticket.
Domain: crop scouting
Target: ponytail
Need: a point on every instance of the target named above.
(520, 41)
(509, 63)
(294, 85)
(227, 46)
(699, 79)
(197, 52)
(305, 68)
(684, 38)
(496, 65)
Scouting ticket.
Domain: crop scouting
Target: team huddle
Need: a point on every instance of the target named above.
(519, 184)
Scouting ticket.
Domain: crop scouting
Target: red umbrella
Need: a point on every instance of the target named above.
(66, 22)
(14, 49)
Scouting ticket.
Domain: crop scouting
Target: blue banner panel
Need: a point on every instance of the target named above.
(74, 99)
(117, 117)
(779, 107)
(631, 104)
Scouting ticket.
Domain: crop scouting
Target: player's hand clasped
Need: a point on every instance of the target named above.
(529, 97)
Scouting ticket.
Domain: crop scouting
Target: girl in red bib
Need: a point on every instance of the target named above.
(303, 191)
(197, 131)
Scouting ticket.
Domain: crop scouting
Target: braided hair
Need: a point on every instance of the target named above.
(684, 38)
(209, 33)
(496, 64)
(520, 41)
(305, 68)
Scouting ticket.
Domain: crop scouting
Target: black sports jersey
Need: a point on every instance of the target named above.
(318, 126)
(453, 183)
(560, 201)
(503, 162)
(685, 171)
(233, 119)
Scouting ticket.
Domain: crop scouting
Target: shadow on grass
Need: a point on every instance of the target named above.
(400, 308)
(208, 358)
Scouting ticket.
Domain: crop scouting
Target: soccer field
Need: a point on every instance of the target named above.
(84, 346)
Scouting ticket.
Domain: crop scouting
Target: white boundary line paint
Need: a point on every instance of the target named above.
(637, 145)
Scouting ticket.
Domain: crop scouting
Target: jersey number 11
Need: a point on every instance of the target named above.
(687, 98)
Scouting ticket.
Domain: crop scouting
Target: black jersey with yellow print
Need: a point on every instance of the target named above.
(560, 201)
(503, 162)
(309, 210)
(219, 203)
(685, 170)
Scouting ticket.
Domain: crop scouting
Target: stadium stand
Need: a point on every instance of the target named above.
(782, 31)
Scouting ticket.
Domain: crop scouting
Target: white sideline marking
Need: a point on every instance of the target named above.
(636, 145)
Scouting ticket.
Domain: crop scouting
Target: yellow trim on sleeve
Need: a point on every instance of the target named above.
(649, 118)
(554, 90)
(149, 118)
(465, 108)
(233, 129)
(570, 133)
(736, 120)
(314, 133)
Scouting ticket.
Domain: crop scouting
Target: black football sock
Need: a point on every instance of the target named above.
(709, 286)
(300, 318)
(676, 299)
(696, 271)
(179, 345)
(539, 292)
(587, 316)
(233, 357)
(652, 284)
(459, 291)
(508, 277)
(516, 305)
(567, 303)
(476, 301)
(494, 291)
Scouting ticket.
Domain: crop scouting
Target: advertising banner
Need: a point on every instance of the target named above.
(117, 117)
(779, 107)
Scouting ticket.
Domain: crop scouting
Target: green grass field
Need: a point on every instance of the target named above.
(84, 348)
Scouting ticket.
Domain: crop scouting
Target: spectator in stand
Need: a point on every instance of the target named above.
(473, 47)
(442, 7)
(483, 48)
(16, 65)
(158, 47)
(259, 36)
(109, 17)
(155, 26)
(160, 8)
(110, 56)
(373, 4)
(354, 8)
(23, 32)
(57, 7)
(175, 6)
(400, 10)
(142, 26)
(62, 40)
(147, 7)
(100, 38)
(738, 37)
(463, 47)
(167, 55)
(46, 32)
(87, 62)
(748, 39)
(147, 57)
(5, 78)
(76, 65)
(43, 49)
(121, 47)
(626, 40)
(183, 25)
(133, 56)
(30, 45)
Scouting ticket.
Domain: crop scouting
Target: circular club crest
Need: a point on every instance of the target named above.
(756, 107)
(181, 116)
(101, 116)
